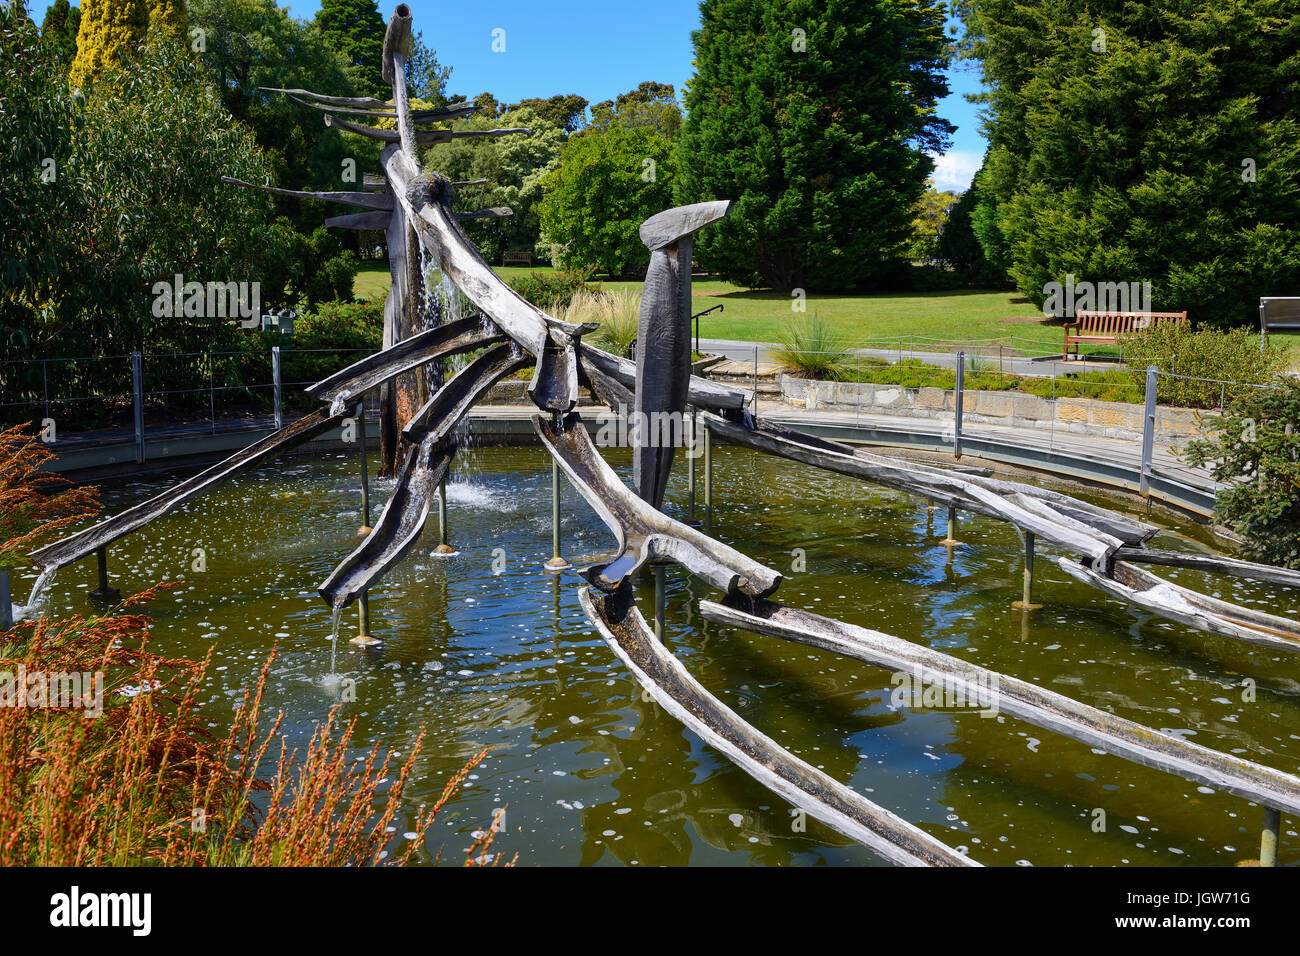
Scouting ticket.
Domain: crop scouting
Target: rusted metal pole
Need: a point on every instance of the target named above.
(101, 561)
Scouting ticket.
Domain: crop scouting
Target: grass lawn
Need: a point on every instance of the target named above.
(753, 315)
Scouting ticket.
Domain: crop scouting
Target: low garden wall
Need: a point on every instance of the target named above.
(1079, 415)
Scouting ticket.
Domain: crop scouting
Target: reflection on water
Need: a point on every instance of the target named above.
(500, 655)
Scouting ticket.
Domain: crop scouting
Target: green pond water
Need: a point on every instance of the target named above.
(501, 656)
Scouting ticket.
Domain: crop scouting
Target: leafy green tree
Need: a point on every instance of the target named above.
(59, 28)
(426, 78)
(650, 104)
(1143, 142)
(606, 185)
(514, 167)
(930, 218)
(355, 29)
(168, 18)
(108, 29)
(567, 111)
(815, 116)
(1256, 453)
(959, 246)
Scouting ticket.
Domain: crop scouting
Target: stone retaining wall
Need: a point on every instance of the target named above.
(1078, 415)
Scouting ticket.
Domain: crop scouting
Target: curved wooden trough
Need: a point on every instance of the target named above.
(1029, 702)
(399, 526)
(618, 621)
(76, 546)
(644, 533)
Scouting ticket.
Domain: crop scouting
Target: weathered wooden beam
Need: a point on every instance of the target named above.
(439, 114)
(1042, 708)
(360, 220)
(76, 546)
(703, 392)
(1212, 564)
(1168, 600)
(362, 199)
(643, 532)
(622, 627)
(441, 413)
(453, 338)
(397, 42)
(398, 529)
(424, 137)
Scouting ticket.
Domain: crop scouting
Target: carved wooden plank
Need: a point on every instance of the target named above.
(1169, 600)
(1211, 563)
(424, 137)
(440, 415)
(703, 393)
(1043, 708)
(366, 200)
(644, 533)
(360, 220)
(623, 628)
(76, 546)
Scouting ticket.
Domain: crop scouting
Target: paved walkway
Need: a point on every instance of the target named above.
(744, 352)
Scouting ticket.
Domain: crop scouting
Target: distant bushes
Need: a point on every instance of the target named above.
(547, 288)
(1204, 353)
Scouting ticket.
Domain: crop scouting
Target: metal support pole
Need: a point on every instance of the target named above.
(754, 407)
(212, 390)
(101, 560)
(365, 471)
(708, 480)
(557, 562)
(275, 391)
(691, 425)
(958, 393)
(1026, 602)
(6, 602)
(660, 603)
(137, 392)
(1148, 433)
(951, 540)
(1268, 838)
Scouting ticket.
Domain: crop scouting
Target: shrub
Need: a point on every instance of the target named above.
(1204, 353)
(547, 288)
(1256, 451)
(809, 349)
(34, 502)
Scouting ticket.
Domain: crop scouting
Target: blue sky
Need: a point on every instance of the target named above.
(601, 49)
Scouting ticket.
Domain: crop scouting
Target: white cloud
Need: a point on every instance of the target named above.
(955, 169)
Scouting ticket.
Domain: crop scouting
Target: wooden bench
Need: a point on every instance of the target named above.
(517, 258)
(1107, 327)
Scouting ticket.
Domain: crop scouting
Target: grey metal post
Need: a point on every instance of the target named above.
(45, 384)
(101, 560)
(443, 547)
(951, 540)
(364, 637)
(275, 390)
(556, 562)
(690, 462)
(755, 407)
(1263, 332)
(6, 604)
(1268, 838)
(959, 392)
(137, 391)
(212, 390)
(1148, 433)
(1026, 602)
(708, 479)
(365, 471)
(660, 604)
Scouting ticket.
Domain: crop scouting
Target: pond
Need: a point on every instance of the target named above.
(486, 649)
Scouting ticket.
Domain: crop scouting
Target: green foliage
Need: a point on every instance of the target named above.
(653, 105)
(618, 314)
(1169, 154)
(1205, 353)
(548, 288)
(1256, 451)
(59, 29)
(330, 337)
(514, 167)
(823, 149)
(324, 272)
(426, 78)
(607, 184)
(568, 112)
(959, 245)
(167, 17)
(355, 29)
(109, 29)
(809, 349)
(929, 222)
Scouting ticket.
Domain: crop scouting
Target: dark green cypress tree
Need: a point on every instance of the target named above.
(816, 117)
(355, 29)
(1143, 141)
(59, 30)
